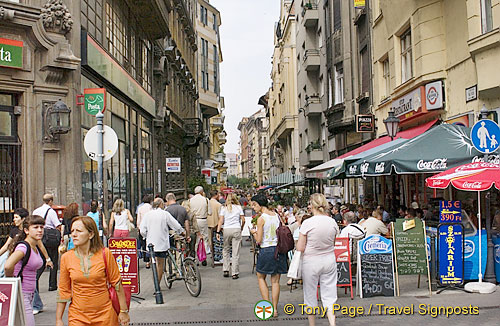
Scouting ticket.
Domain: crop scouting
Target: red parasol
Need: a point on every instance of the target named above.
(470, 177)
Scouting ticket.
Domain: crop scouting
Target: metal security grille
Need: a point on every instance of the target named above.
(10, 185)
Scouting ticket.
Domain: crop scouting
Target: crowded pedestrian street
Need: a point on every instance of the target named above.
(280, 162)
(231, 302)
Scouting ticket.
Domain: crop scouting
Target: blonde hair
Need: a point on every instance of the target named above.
(187, 205)
(319, 203)
(230, 201)
(118, 206)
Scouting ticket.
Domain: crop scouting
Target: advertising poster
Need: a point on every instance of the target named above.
(125, 252)
(450, 248)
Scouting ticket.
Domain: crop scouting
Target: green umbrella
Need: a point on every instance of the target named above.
(440, 148)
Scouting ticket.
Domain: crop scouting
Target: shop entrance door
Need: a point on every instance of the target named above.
(10, 165)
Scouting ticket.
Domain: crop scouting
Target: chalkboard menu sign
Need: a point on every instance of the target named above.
(375, 267)
(343, 258)
(410, 247)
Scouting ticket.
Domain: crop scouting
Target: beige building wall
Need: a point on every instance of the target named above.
(448, 43)
(283, 109)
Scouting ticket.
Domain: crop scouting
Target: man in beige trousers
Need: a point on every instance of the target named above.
(201, 210)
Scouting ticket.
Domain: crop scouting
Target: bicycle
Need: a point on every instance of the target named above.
(188, 271)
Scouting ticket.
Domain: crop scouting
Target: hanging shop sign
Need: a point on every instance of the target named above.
(450, 211)
(343, 258)
(125, 252)
(365, 123)
(173, 164)
(94, 100)
(11, 53)
(376, 267)
(451, 254)
(359, 4)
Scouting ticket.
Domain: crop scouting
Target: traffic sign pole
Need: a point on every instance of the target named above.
(100, 155)
(489, 274)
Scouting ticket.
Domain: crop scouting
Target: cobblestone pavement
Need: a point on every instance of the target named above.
(230, 302)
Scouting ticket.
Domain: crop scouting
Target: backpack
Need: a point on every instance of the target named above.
(285, 240)
(26, 258)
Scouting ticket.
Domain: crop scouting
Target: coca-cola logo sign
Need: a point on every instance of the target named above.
(353, 169)
(472, 185)
(379, 167)
(364, 167)
(437, 164)
(493, 159)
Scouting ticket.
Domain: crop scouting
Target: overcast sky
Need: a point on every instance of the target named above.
(247, 46)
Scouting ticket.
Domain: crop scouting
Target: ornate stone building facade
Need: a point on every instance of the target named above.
(142, 52)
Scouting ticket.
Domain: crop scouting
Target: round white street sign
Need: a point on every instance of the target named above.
(110, 143)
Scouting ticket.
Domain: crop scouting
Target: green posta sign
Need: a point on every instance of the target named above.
(11, 53)
(94, 100)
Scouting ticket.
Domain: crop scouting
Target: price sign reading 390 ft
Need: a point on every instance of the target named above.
(450, 211)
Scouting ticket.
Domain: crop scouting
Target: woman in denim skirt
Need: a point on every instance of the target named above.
(265, 235)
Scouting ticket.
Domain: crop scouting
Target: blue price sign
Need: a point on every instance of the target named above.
(450, 211)
(451, 254)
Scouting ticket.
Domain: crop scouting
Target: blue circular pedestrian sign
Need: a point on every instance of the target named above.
(485, 136)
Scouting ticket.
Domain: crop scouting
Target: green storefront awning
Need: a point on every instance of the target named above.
(440, 148)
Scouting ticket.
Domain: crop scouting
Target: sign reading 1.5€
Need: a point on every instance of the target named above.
(450, 211)
(94, 100)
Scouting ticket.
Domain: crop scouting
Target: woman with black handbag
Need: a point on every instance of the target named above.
(87, 273)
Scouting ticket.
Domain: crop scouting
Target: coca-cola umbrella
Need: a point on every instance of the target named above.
(471, 177)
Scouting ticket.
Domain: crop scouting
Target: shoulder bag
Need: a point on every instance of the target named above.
(285, 239)
(51, 237)
(111, 289)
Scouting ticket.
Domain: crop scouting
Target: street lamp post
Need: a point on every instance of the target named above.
(391, 124)
(293, 170)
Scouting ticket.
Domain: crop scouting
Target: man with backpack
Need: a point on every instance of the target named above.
(51, 240)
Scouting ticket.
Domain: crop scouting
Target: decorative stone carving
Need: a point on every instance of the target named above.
(6, 14)
(56, 17)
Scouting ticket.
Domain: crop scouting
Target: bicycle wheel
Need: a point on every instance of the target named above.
(192, 277)
(167, 277)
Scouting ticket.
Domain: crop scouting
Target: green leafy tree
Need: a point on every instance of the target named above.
(198, 180)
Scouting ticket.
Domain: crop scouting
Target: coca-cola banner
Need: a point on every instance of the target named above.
(472, 177)
(440, 148)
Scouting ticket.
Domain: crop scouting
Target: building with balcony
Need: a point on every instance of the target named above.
(208, 21)
(254, 133)
(348, 83)
(312, 83)
(282, 108)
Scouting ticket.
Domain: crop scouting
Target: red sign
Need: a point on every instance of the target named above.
(227, 190)
(343, 258)
(5, 306)
(125, 252)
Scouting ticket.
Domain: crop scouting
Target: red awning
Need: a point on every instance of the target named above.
(406, 134)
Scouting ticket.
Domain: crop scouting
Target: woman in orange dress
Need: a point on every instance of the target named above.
(83, 281)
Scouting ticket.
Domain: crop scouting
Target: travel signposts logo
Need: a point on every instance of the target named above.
(263, 310)
(95, 100)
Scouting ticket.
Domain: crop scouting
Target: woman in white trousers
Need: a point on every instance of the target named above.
(317, 242)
